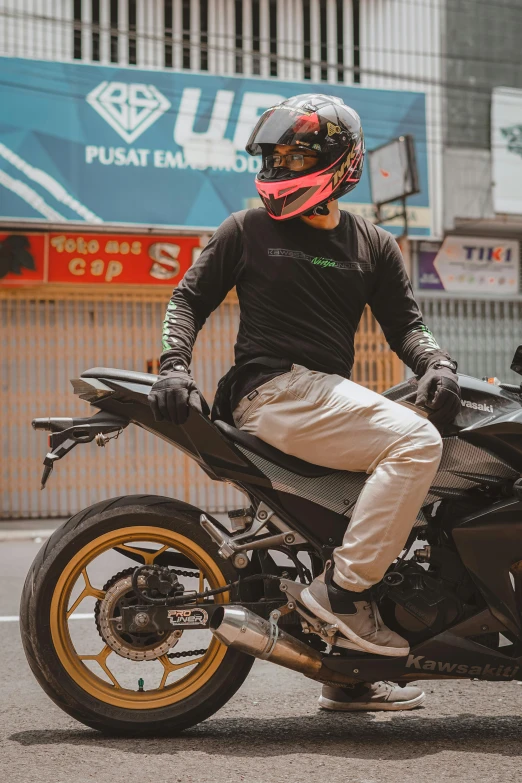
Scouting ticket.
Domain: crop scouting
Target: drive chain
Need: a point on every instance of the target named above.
(187, 653)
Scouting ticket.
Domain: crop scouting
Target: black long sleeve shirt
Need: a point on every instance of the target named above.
(301, 293)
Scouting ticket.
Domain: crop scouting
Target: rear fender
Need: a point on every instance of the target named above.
(68, 433)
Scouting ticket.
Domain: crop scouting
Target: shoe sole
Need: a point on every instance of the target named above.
(323, 614)
(341, 706)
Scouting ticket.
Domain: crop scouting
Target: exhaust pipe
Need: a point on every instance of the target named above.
(243, 630)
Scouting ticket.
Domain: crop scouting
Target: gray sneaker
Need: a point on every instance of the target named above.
(359, 621)
(371, 696)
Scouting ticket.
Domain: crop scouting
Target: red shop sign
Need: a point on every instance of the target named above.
(119, 258)
(23, 259)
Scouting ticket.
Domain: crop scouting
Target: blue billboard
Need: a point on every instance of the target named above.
(100, 144)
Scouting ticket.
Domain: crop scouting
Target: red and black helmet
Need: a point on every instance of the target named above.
(322, 123)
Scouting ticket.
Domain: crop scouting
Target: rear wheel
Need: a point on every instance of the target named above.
(71, 604)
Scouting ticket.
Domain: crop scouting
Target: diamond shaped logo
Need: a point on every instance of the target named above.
(128, 108)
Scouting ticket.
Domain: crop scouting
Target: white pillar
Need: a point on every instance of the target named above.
(348, 41)
(150, 27)
(315, 40)
(282, 39)
(64, 32)
(212, 37)
(123, 32)
(264, 34)
(195, 35)
(44, 32)
(157, 31)
(331, 40)
(297, 35)
(27, 43)
(229, 39)
(177, 35)
(104, 24)
(247, 37)
(86, 31)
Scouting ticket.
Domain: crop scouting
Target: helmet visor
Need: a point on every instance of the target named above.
(288, 126)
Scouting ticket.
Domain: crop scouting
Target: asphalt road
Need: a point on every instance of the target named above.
(271, 732)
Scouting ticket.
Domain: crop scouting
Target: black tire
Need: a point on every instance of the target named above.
(35, 624)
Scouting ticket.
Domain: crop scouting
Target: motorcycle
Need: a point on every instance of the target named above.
(181, 605)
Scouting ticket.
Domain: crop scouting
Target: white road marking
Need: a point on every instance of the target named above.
(15, 618)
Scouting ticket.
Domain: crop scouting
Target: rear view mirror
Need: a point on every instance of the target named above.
(516, 364)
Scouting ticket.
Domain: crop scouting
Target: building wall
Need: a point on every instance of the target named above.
(467, 180)
(482, 48)
(377, 43)
(401, 48)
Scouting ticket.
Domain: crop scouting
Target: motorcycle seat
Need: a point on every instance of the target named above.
(249, 442)
(258, 446)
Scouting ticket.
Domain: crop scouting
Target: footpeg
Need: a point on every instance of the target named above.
(293, 590)
(222, 539)
(329, 633)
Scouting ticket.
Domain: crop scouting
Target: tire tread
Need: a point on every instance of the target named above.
(58, 687)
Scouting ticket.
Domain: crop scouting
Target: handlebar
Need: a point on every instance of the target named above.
(511, 387)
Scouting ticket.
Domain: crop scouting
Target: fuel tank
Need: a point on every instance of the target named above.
(490, 417)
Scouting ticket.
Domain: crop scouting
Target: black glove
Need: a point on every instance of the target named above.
(173, 394)
(439, 392)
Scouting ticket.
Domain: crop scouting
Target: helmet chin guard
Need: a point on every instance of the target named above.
(322, 123)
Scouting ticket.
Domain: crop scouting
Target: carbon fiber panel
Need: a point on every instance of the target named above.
(457, 455)
(337, 491)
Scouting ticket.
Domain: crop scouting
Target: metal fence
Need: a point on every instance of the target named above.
(480, 334)
(48, 338)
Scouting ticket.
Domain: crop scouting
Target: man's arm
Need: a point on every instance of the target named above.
(202, 289)
(395, 308)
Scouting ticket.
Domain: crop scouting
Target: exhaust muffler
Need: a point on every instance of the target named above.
(243, 630)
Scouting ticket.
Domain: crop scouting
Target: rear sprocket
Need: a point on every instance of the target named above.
(137, 646)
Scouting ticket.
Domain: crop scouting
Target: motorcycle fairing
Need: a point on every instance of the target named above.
(445, 656)
(494, 536)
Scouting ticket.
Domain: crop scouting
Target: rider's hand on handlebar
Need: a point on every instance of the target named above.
(173, 395)
(439, 392)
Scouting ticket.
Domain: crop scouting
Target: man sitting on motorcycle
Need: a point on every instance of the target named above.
(304, 271)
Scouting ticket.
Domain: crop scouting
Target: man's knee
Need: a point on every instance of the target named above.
(428, 442)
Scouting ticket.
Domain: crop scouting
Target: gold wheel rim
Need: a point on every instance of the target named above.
(72, 662)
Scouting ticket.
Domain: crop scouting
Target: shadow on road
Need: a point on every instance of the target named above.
(357, 736)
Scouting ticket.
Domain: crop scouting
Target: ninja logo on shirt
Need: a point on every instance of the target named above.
(320, 261)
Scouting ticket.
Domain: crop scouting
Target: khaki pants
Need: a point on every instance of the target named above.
(331, 421)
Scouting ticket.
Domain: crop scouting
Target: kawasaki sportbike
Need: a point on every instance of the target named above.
(144, 614)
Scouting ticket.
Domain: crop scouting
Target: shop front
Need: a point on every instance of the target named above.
(469, 290)
(70, 301)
